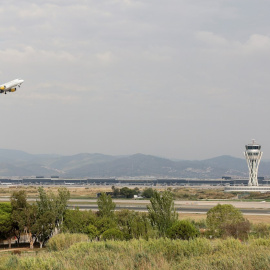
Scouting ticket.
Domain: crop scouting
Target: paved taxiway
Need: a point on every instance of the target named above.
(253, 208)
(190, 209)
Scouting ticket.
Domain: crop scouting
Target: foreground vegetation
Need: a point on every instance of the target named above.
(160, 253)
(49, 216)
(109, 239)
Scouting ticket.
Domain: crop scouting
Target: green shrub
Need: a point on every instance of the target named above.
(134, 224)
(237, 230)
(92, 231)
(221, 217)
(112, 234)
(65, 240)
(105, 223)
(76, 221)
(182, 229)
(261, 230)
(199, 224)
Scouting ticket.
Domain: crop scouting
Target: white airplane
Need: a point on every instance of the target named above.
(10, 86)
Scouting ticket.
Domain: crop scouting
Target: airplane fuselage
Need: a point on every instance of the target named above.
(10, 86)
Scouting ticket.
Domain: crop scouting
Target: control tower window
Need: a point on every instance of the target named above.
(253, 147)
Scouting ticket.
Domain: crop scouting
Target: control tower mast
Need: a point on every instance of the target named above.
(253, 156)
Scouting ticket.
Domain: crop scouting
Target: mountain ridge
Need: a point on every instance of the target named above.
(23, 164)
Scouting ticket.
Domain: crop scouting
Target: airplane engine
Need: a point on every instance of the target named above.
(12, 89)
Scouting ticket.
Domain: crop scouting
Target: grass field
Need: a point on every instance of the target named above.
(161, 253)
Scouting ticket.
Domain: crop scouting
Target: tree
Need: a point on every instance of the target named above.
(134, 224)
(148, 193)
(22, 214)
(61, 205)
(116, 191)
(6, 228)
(44, 227)
(182, 229)
(105, 205)
(220, 216)
(50, 211)
(29, 216)
(76, 221)
(46, 216)
(161, 211)
(40, 219)
(105, 223)
(129, 193)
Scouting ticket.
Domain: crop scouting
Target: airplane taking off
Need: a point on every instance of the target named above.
(10, 86)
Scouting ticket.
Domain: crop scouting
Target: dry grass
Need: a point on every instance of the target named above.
(32, 191)
(90, 191)
(153, 254)
(255, 219)
(186, 193)
(180, 193)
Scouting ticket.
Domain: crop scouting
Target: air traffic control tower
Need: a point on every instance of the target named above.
(253, 156)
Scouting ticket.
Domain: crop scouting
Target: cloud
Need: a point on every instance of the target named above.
(257, 43)
(211, 38)
(105, 57)
(52, 97)
(184, 70)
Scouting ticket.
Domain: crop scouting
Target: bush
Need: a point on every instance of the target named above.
(76, 221)
(92, 231)
(261, 230)
(112, 234)
(105, 223)
(237, 230)
(65, 240)
(221, 217)
(182, 229)
(134, 224)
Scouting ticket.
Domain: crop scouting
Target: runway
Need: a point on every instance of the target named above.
(246, 207)
(185, 209)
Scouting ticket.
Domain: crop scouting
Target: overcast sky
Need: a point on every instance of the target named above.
(186, 79)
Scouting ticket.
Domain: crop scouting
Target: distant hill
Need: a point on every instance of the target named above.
(19, 163)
